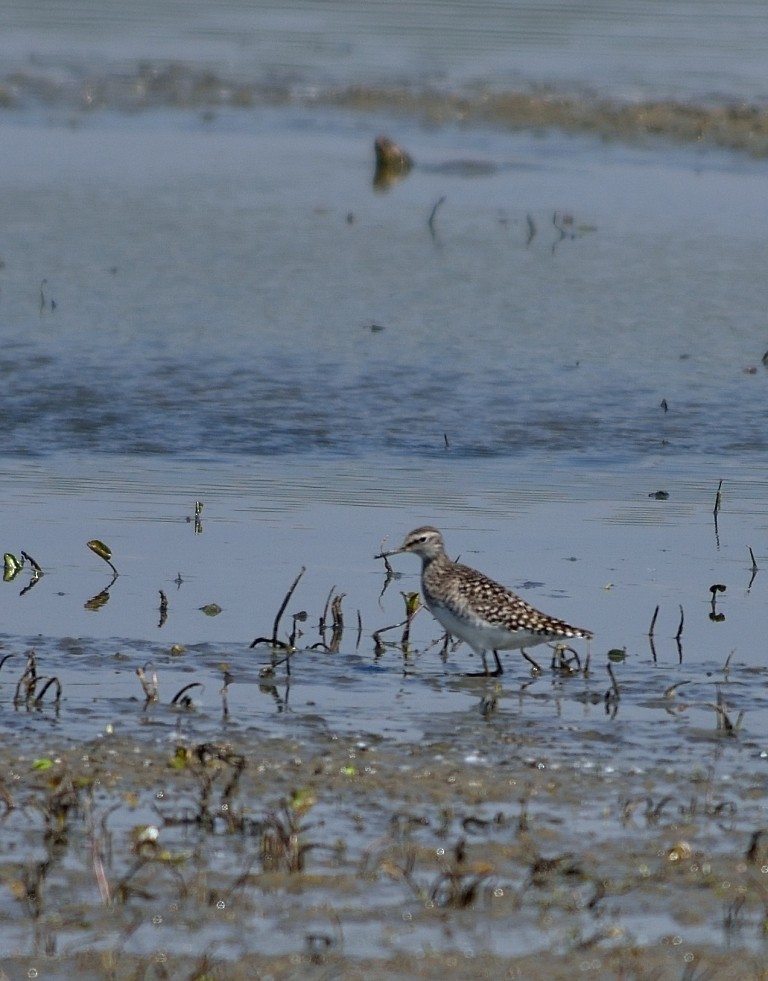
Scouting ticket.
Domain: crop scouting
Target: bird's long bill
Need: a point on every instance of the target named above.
(392, 551)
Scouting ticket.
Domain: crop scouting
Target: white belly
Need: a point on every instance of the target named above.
(483, 637)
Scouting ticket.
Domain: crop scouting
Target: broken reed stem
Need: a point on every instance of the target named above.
(324, 615)
(751, 555)
(382, 630)
(376, 635)
(181, 692)
(718, 499)
(653, 622)
(338, 616)
(285, 603)
(679, 633)
(37, 569)
(51, 681)
(150, 688)
(273, 639)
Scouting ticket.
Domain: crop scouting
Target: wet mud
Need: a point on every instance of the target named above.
(184, 843)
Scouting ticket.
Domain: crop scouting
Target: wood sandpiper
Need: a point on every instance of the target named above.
(476, 609)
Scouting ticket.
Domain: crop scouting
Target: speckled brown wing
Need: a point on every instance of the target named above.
(499, 606)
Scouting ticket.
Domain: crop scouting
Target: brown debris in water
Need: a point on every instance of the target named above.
(392, 163)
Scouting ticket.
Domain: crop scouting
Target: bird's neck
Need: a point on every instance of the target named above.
(436, 560)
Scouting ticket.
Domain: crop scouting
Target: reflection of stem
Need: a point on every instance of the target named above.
(713, 614)
(653, 647)
(616, 692)
(391, 574)
(36, 577)
(754, 569)
(531, 229)
(96, 602)
(679, 635)
(431, 219)
(100, 599)
(650, 633)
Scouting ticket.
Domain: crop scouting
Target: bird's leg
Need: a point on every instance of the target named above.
(485, 673)
(530, 660)
(492, 674)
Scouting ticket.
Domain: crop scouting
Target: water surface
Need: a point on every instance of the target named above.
(204, 298)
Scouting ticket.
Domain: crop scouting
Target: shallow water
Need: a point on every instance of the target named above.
(603, 556)
(155, 249)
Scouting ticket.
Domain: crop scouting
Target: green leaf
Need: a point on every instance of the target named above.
(412, 603)
(11, 567)
(103, 551)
